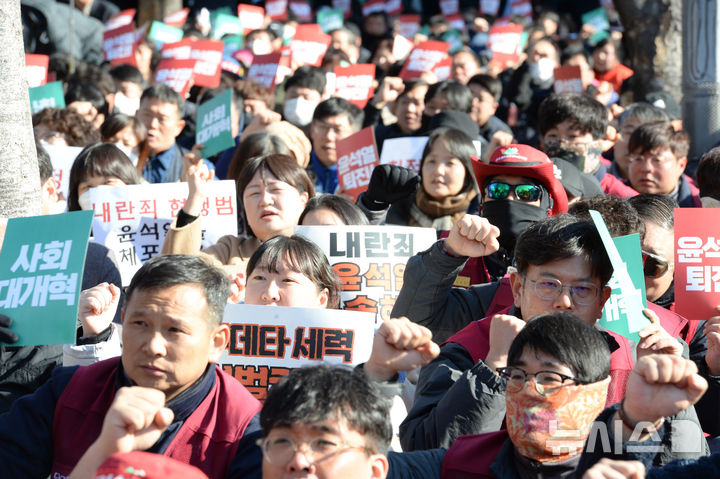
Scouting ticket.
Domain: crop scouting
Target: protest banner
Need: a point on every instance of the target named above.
(355, 83)
(119, 45)
(697, 262)
(489, 7)
(393, 7)
(162, 34)
(133, 220)
(442, 69)
(624, 315)
(449, 7)
(330, 19)
(504, 42)
(268, 342)
(176, 19)
(373, 6)
(309, 44)
(408, 25)
(177, 74)
(357, 157)
(252, 17)
(36, 69)
(122, 18)
(208, 54)
(568, 79)
(401, 47)
(276, 10)
(423, 58)
(405, 151)
(42, 277)
(345, 6)
(62, 158)
(214, 125)
(370, 261)
(302, 10)
(49, 95)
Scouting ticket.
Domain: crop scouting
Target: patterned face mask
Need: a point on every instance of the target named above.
(553, 427)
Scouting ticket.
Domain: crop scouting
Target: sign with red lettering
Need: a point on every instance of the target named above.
(177, 74)
(177, 19)
(36, 69)
(567, 80)
(301, 9)
(423, 58)
(405, 151)
(120, 19)
(276, 10)
(119, 45)
(357, 157)
(355, 83)
(209, 55)
(309, 45)
(370, 261)
(408, 25)
(442, 69)
(504, 42)
(267, 342)
(697, 262)
(252, 17)
(62, 158)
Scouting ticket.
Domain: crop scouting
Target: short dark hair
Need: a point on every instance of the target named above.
(573, 50)
(347, 211)
(125, 72)
(458, 96)
(410, 85)
(658, 209)
(619, 215)
(99, 159)
(304, 257)
(259, 143)
(83, 91)
(171, 270)
(314, 394)
(649, 136)
(588, 114)
(93, 74)
(164, 94)
(645, 112)
(707, 174)
(44, 164)
(339, 106)
(562, 335)
(307, 76)
(460, 146)
(490, 83)
(562, 237)
(251, 90)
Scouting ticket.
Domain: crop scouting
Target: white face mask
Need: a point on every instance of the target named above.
(259, 47)
(299, 111)
(132, 154)
(84, 201)
(124, 104)
(543, 70)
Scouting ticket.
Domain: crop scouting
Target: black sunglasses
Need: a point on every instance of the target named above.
(654, 266)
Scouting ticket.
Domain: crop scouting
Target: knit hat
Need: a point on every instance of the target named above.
(138, 464)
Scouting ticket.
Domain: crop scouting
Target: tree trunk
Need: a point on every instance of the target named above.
(653, 43)
(149, 10)
(19, 175)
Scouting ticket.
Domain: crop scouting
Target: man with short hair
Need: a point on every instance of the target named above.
(465, 64)
(487, 91)
(303, 91)
(406, 100)
(163, 395)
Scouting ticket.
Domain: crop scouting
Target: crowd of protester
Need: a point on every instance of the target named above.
(494, 345)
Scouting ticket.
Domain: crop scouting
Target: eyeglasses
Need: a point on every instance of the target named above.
(545, 381)
(655, 266)
(499, 191)
(323, 128)
(550, 288)
(657, 160)
(280, 450)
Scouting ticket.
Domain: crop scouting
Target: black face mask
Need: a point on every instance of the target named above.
(512, 218)
(557, 151)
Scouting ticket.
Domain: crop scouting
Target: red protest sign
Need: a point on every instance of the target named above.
(36, 69)
(119, 45)
(567, 80)
(357, 157)
(276, 10)
(302, 11)
(442, 69)
(393, 7)
(309, 45)
(176, 19)
(177, 50)
(504, 42)
(423, 58)
(120, 19)
(408, 25)
(697, 262)
(209, 55)
(264, 69)
(355, 83)
(251, 17)
(449, 7)
(177, 74)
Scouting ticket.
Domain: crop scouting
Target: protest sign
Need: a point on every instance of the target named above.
(62, 158)
(449, 7)
(423, 58)
(401, 47)
(276, 10)
(697, 262)
(162, 34)
(357, 157)
(177, 74)
(252, 17)
(119, 45)
(224, 24)
(49, 95)
(489, 7)
(345, 6)
(393, 7)
(370, 261)
(36, 69)
(42, 277)
(599, 21)
(176, 19)
(264, 69)
(208, 54)
(125, 17)
(522, 8)
(268, 342)
(133, 220)
(504, 42)
(214, 126)
(330, 19)
(625, 313)
(408, 25)
(302, 10)
(177, 50)
(456, 23)
(567, 80)
(355, 83)
(442, 69)
(309, 44)
(405, 151)
(373, 6)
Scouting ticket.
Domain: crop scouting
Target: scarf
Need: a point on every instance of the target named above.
(427, 212)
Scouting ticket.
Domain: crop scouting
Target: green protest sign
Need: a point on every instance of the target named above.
(224, 24)
(214, 128)
(622, 313)
(330, 19)
(161, 33)
(599, 21)
(41, 264)
(49, 95)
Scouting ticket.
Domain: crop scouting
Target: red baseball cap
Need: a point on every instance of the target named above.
(523, 160)
(146, 465)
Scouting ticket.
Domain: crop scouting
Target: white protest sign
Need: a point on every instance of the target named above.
(405, 151)
(370, 261)
(62, 159)
(267, 342)
(133, 220)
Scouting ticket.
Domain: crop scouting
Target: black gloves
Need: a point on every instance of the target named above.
(6, 336)
(388, 184)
